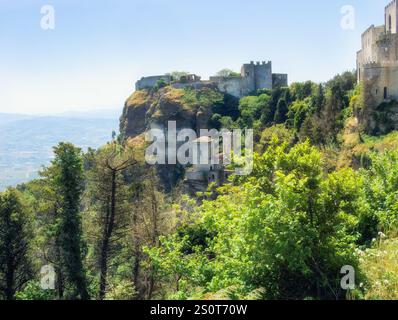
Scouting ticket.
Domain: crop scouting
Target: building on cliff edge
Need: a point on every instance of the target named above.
(254, 76)
(377, 61)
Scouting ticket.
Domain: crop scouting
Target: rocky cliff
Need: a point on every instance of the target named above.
(190, 108)
(380, 120)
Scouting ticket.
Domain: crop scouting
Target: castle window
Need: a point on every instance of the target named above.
(389, 23)
(385, 93)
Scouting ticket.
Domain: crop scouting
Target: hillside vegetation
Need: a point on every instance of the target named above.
(323, 194)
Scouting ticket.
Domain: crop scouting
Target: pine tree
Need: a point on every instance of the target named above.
(107, 188)
(15, 234)
(281, 111)
(319, 99)
(68, 166)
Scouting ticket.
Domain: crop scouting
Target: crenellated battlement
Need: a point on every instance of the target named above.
(258, 63)
(391, 4)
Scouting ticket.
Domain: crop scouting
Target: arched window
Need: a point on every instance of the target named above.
(385, 93)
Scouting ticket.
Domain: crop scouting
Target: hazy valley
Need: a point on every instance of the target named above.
(26, 141)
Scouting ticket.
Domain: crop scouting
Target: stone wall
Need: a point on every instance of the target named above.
(381, 75)
(194, 85)
(375, 78)
(381, 83)
(254, 76)
(369, 43)
(377, 62)
(150, 82)
(391, 17)
(279, 80)
(235, 86)
(387, 48)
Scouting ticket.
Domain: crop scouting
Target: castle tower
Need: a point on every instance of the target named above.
(377, 61)
(257, 75)
(391, 17)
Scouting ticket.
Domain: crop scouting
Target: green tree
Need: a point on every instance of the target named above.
(15, 237)
(319, 98)
(381, 194)
(161, 83)
(302, 90)
(225, 73)
(252, 107)
(108, 198)
(285, 231)
(46, 204)
(281, 112)
(68, 180)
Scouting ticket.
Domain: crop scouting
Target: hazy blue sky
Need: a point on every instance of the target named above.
(99, 48)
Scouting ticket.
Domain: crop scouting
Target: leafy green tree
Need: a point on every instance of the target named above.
(276, 95)
(161, 83)
(227, 123)
(319, 98)
(313, 130)
(215, 121)
(281, 112)
(283, 134)
(336, 103)
(251, 108)
(299, 110)
(69, 183)
(46, 202)
(33, 291)
(287, 229)
(225, 73)
(15, 238)
(381, 193)
(302, 90)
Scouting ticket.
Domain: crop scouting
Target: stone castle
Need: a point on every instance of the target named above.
(377, 61)
(254, 76)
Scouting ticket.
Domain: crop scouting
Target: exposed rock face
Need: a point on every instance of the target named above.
(380, 120)
(133, 120)
(190, 108)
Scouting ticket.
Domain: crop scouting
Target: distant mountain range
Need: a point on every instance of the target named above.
(26, 141)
